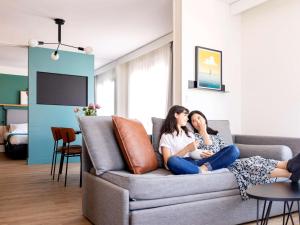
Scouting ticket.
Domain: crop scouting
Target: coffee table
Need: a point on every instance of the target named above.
(286, 192)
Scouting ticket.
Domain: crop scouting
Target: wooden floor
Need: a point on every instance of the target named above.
(29, 196)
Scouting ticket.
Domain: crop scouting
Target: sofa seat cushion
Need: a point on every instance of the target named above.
(161, 183)
(153, 203)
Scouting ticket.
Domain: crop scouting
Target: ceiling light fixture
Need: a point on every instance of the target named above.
(55, 55)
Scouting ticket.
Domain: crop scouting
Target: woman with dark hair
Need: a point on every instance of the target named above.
(249, 171)
(177, 142)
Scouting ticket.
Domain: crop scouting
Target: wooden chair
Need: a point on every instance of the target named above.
(56, 149)
(69, 136)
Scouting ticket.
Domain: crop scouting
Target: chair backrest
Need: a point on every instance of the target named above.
(56, 133)
(68, 134)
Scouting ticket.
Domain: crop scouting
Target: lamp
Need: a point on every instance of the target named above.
(55, 55)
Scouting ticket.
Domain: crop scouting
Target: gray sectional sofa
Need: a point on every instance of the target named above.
(113, 196)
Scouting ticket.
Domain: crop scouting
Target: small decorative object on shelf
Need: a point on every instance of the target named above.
(90, 110)
(24, 97)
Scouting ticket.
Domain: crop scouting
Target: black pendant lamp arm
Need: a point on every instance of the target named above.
(71, 46)
(59, 22)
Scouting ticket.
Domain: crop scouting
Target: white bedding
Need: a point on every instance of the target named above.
(17, 129)
(17, 139)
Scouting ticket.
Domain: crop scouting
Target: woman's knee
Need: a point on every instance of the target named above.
(234, 151)
(178, 165)
(173, 160)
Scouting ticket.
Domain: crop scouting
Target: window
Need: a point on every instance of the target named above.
(149, 86)
(138, 89)
(105, 93)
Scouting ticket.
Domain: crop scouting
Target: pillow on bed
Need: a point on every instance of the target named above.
(18, 128)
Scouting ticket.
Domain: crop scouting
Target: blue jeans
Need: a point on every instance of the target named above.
(222, 159)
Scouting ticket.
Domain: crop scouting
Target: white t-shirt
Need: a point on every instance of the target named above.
(175, 142)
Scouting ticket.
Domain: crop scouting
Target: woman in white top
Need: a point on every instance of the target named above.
(177, 142)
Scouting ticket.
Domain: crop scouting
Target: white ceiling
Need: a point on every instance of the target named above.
(111, 27)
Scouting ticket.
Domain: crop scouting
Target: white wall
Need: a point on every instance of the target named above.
(209, 23)
(14, 70)
(271, 69)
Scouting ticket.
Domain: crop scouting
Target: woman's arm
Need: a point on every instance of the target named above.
(166, 155)
(189, 148)
(206, 138)
(207, 150)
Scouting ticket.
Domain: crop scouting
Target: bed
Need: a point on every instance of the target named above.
(16, 136)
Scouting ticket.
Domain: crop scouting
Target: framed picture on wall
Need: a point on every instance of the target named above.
(208, 68)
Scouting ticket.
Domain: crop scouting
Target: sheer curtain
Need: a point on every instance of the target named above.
(150, 86)
(105, 92)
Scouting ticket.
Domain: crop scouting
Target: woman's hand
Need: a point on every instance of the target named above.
(203, 129)
(206, 154)
(192, 146)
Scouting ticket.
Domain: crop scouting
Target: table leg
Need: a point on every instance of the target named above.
(283, 220)
(257, 211)
(263, 213)
(268, 213)
(289, 207)
(298, 211)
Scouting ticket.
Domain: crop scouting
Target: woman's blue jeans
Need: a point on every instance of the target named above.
(222, 159)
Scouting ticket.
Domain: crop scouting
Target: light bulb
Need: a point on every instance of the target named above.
(33, 43)
(55, 56)
(88, 50)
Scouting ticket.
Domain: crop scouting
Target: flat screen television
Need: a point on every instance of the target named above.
(61, 89)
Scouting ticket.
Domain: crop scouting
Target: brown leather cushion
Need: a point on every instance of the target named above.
(135, 145)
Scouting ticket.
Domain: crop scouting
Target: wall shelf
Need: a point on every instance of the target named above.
(193, 85)
(13, 105)
(5, 106)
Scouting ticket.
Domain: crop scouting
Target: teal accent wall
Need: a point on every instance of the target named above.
(10, 87)
(42, 117)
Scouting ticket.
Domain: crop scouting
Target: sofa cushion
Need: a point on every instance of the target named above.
(223, 127)
(153, 203)
(162, 184)
(156, 126)
(135, 145)
(101, 144)
(278, 152)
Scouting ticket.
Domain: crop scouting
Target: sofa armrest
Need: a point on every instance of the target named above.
(292, 143)
(104, 202)
(278, 152)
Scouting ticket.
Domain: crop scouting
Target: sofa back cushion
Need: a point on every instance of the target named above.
(135, 145)
(156, 126)
(101, 144)
(221, 125)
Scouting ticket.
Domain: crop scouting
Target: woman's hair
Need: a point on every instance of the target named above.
(208, 129)
(170, 123)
